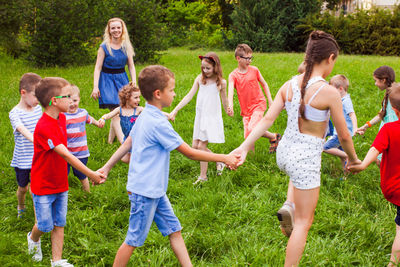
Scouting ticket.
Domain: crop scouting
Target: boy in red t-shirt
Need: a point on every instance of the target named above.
(246, 79)
(387, 142)
(49, 178)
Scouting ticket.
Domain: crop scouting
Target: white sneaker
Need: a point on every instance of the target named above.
(62, 263)
(34, 248)
(286, 219)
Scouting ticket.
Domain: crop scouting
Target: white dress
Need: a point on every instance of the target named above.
(208, 124)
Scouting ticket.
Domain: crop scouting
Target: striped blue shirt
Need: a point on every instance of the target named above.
(23, 150)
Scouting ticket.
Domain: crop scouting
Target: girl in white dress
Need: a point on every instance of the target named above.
(208, 124)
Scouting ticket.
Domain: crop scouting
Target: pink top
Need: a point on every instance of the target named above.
(249, 92)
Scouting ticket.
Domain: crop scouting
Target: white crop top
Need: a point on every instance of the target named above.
(311, 113)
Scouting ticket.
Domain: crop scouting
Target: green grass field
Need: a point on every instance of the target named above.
(228, 221)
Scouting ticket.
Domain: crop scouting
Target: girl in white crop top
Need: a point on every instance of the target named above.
(308, 100)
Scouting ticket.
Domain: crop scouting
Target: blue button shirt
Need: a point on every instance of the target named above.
(153, 138)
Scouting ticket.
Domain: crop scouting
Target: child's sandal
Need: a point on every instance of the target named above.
(220, 168)
(274, 143)
(200, 180)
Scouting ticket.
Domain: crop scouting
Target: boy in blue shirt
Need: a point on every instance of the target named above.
(152, 138)
(332, 146)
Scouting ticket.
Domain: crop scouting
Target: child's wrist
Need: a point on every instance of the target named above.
(368, 123)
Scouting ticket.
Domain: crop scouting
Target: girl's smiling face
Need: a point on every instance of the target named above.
(207, 69)
(134, 100)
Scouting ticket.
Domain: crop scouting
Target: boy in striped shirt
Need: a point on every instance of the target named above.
(23, 118)
(77, 118)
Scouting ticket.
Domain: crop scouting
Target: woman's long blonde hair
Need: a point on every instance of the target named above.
(126, 44)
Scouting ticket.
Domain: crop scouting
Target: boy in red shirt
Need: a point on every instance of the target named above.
(387, 142)
(49, 178)
(246, 79)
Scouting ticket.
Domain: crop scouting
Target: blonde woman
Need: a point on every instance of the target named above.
(109, 73)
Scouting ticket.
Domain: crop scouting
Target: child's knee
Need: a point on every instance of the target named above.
(23, 189)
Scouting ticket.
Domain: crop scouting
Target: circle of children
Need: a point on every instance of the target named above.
(48, 143)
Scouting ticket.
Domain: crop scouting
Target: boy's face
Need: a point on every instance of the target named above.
(29, 98)
(245, 60)
(63, 100)
(74, 104)
(167, 95)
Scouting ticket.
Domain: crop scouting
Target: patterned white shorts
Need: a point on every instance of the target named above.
(299, 155)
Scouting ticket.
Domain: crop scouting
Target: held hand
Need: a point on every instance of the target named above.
(98, 178)
(104, 172)
(102, 122)
(355, 168)
(361, 130)
(230, 111)
(242, 153)
(171, 116)
(95, 93)
(232, 160)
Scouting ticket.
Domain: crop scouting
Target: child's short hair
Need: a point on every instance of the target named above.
(29, 81)
(394, 95)
(75, 90)
(340, 81)
(126, 92)
(242, 49)
(48, 88)
(152, 78)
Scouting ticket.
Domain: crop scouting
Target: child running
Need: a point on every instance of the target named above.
(208, 124)
(76, 120)
(153, 138)
(128, 111)
(387, 143)
(49, 169)
(384, 76)
(332, 146)
(23, 118)
(245, 79)
(308, 100)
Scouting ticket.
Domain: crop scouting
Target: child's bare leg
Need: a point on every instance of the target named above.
(179, 248)
(36, 233)
(306, 202)
(290, 192)
(85, 185)
(395, 257)
(124, 253)
(115, 130)
(203, 164)
(21, 192)
(57, 242)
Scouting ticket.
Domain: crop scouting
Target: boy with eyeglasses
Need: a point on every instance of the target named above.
(246, 80)
(49, 178)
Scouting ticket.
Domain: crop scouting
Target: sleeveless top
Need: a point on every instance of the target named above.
(127, 122)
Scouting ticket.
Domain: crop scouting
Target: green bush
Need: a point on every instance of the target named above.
(375, 31)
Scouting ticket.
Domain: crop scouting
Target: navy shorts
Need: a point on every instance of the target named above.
(77, 173)
(397, 219)
(23, 176)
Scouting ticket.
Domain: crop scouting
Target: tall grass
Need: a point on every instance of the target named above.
(228, 221)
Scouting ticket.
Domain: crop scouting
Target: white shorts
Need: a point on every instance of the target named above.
(299, 155)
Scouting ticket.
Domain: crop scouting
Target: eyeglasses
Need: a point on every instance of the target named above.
(247, 58)
(60, 96)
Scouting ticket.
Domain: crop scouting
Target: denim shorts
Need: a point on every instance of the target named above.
(333, 142)
(51, 210)
(77, 173)
(23, 176)
(143, 211)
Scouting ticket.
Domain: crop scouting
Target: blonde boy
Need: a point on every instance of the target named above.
(246, 80)
(332, 146)
(49, 183)
(23, 118)
(152, 138)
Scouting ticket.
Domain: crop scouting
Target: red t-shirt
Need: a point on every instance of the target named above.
(388, 143)
(49, 173)
(248, 89)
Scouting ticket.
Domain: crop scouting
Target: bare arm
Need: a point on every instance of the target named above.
(96, 76)
(224, 98)
(353, 118)
(25, 132)
(199, 155)
(132, 70)
(121, 151)
(369, 158)
(373, 121)
(96, 177)
(266, 90)
(186, 99)
(108, 116)
(231, 89)
(95, 122)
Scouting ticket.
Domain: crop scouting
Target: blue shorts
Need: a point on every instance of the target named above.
(51, 210)
(143, 211)
(77, 173)
(23, 176)
(333, 142)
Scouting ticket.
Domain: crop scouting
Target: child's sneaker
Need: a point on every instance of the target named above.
(20, 213)
(286, 218)
(34, 248)
(61, 263)
(274, 143)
